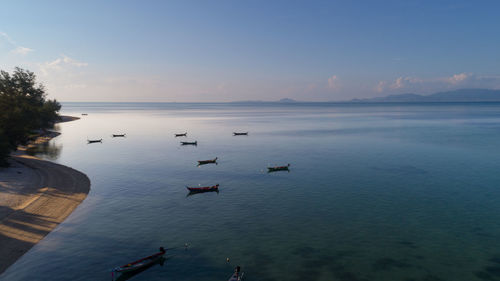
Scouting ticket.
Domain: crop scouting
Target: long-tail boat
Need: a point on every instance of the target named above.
(203, 188)
(237, 276)
(203, 162)
(278, 168)
(118, 135)
(189, 142)
(94, 141)
(181, 135)
(141, 263)
(240, 134)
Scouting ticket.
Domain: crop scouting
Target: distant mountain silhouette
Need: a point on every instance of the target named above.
(287, 100)
(462, 95)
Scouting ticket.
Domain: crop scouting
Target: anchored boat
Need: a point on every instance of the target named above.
(118, 135)
(189, 142)
(237, 276)
(203, 188)
(94, 141)
(240, 134)
(278, 168)
(211, 161)
(181, 135)
(141, 263)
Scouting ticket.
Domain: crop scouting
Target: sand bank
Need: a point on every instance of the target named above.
(35, 196)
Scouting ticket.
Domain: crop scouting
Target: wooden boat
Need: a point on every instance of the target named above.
(141, 263)
(94, 141)
(203, 188)
(203, 162)
(237, 276)
(240, 134)
(189, 142)
(181, 135)
(118, 135)
(278, 168)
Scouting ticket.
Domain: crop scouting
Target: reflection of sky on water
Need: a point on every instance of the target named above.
(375, 192)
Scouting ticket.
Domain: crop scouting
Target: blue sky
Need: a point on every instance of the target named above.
(251, 50)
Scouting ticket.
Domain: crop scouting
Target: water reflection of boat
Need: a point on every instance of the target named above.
(211, 161)
(181, 135)
(94, 141)
(118, 135)
(203, 188)
(278, 168)
(129, 270)
(189, 142)
(240, 134)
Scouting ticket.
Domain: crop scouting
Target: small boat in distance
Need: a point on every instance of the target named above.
(236, 275)
(181, 135)
(211, 161)
(118, 135)
(94, 141)
(84, 114)
(141, 263)
(278, 168)
(240, 134)
(189, 142)
(203, 188)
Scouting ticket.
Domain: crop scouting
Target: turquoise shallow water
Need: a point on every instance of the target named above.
(374, 192)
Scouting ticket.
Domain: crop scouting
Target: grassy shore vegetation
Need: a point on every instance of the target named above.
(24, 110)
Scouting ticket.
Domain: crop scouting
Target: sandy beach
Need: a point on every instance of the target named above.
(35, 197)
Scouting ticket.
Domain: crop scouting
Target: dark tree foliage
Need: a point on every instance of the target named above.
(23, 109)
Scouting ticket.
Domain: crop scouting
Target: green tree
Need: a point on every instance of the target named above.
(23, 109)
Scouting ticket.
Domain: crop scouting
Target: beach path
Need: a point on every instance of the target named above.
(35, 196)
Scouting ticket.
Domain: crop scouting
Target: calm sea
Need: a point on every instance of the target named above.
(374, 192)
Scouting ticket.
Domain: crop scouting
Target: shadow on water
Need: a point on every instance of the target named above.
(49, 150)
(129, 275)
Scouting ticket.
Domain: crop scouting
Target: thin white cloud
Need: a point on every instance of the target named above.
(21, 50)
(62, 63)
(333, 83)
(7, 38)
(430, 85)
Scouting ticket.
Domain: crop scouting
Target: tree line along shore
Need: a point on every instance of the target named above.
(35, 195)
(25, 111)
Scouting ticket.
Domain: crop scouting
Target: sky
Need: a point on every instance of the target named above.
(219, 51)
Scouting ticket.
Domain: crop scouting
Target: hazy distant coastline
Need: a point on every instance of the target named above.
(461, 95)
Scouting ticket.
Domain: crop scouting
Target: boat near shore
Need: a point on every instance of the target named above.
(139, 264)
(118, 135)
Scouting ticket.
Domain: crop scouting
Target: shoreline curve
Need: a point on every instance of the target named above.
(35, 197)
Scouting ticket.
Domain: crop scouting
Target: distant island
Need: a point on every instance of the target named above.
(285, 100)
(462, 95)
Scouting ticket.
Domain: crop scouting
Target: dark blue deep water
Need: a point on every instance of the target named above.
(375, 192)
